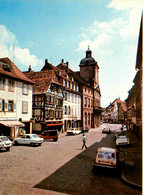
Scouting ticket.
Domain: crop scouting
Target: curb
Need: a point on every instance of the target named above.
(136, 186)
(130, 183)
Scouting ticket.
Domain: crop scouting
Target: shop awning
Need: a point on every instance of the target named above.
(12, 123)
(56, 124)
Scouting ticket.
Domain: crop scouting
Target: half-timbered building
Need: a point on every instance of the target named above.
(47, 109)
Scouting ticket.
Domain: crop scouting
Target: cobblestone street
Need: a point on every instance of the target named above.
(59, 167)
(25, 166)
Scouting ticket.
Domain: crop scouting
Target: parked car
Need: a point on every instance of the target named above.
(5, 143)
(106, 130)
(50, 134)
(122, 140)
(84, 129)
(106, 158)
(73, 131)
(30, 139)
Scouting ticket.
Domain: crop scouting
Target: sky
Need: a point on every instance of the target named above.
(34, 30)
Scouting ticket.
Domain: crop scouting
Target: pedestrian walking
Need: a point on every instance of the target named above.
(84, 141)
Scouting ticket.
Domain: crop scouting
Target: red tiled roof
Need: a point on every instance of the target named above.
(42, 80)
(15, 73)
(122, 103)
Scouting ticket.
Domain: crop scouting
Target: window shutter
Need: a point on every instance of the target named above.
(6, 105)
(0, 105)
(14, 106)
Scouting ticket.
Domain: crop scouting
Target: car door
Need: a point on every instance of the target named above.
(21, 140)
(28, 139)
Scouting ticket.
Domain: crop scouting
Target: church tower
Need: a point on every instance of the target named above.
(89, 69)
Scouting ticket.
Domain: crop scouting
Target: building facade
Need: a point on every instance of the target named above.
(116, 112)
(47, 109)
(135, 96)
(15, 100)
(72, 100)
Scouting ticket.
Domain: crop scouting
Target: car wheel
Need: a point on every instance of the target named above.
(39, 144)
(7, 149)
(55, 139)
(32, 144)
(16, 143)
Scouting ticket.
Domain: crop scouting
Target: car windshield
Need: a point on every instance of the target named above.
(121, 137)
(4, 138)
(106, 155)
(35, 136)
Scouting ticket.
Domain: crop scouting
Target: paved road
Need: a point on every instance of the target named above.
(24, 167)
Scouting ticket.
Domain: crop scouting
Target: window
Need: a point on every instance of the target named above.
(60, 114)
(85, 119)
(52, 99)
(2, 105)
(24, 107)
(25, 89)
(69, 110)
(6, 67)
(56, 114)
(2, 84)
(48, 98)
(10, 105)
(10, 85)
(68, 85)
(88, 102)
(65, 110)
(85, 102)
(65, 83)
(88, 118)
(91, 103)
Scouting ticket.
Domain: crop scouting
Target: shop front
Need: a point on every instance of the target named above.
(11, 129)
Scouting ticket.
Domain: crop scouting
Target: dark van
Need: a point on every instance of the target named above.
(50, 134)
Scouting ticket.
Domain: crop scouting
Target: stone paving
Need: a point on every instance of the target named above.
(25, 166)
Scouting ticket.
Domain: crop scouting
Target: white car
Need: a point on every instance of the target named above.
(30, 139)
(5, 143)
(106, 158)
(73, 131)
(122, 140)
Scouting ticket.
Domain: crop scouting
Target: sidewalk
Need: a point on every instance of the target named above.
(131, 162)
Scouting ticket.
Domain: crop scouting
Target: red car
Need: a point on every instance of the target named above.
(50, 134)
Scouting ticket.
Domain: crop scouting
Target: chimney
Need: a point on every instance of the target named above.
(62, 61)
(46, 61)
(67, 66)
(30, 69)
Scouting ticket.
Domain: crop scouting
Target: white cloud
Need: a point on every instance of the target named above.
(23, 57)
(125, 4)
(114, 45)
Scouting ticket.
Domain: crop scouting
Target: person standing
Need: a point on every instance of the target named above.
(84, 141)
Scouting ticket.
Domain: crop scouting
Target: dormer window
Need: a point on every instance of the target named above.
(6, 67)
